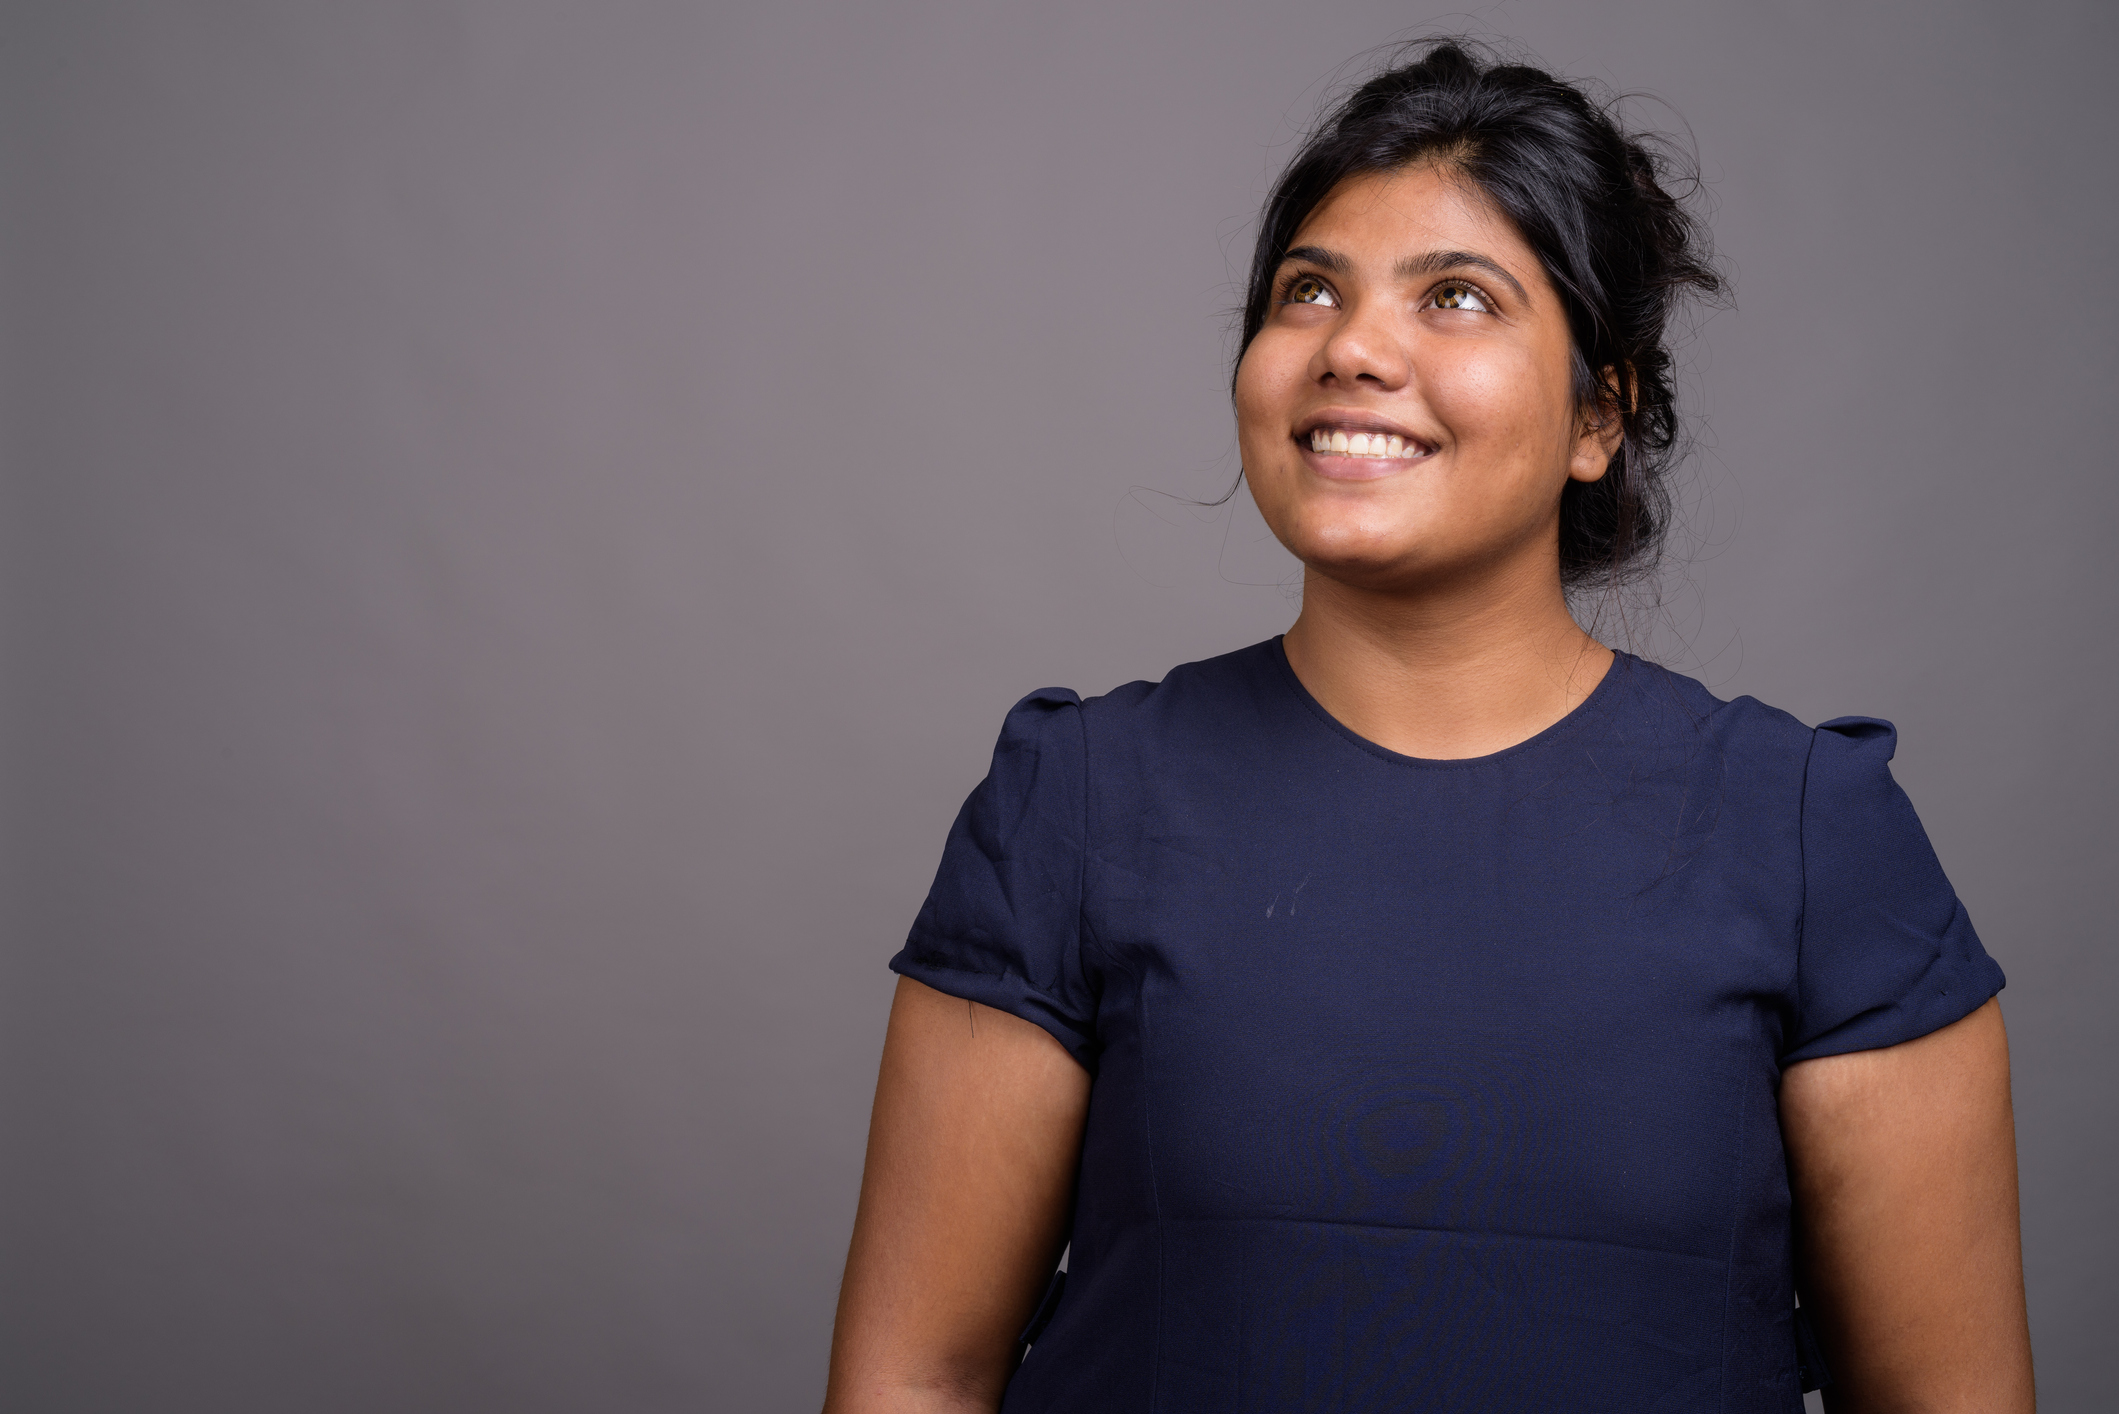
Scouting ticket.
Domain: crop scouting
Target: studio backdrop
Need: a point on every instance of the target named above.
(521, 520)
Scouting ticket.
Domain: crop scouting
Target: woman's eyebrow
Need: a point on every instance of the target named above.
(1413, 267)
(1324, 259)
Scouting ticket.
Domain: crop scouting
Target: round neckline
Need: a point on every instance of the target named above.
(1565, 726)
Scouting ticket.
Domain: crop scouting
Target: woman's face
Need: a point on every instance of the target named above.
(1407, 413)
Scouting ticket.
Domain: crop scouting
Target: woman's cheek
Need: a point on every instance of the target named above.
(1471, 395)
(1498, 410)
(1264, 394)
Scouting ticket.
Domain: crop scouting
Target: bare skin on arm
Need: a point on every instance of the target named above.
(1910, 1262)
(971, 1159)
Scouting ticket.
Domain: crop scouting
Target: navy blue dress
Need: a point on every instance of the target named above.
(1436, 1085)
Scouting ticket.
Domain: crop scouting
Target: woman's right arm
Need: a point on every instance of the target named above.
(971, 1159)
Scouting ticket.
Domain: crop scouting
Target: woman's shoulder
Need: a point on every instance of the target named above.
(1191, 707)
(1837, 757)
(1743, 724)
(1189, 690)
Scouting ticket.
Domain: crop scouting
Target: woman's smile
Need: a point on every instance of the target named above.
(1345, 445)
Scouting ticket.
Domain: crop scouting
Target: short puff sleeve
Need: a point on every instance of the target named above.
(1887, 952)
(1002, 924)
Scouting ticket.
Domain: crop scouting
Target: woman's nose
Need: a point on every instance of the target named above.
(1364, 350)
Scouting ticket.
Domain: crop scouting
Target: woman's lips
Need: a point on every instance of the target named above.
(1356, 454)
(1357, 442)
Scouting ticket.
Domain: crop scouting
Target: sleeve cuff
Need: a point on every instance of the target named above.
(1952, 989)
(1003, 992)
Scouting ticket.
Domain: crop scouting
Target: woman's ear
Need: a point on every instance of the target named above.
(1603, 426)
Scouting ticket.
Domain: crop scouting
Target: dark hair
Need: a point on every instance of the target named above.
(1590, 199)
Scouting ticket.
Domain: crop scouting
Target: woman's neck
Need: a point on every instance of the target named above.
(1448, 673)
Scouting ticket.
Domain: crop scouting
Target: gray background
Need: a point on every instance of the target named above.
(522, 520)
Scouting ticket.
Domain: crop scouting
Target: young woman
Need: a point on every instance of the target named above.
(1432, 1009)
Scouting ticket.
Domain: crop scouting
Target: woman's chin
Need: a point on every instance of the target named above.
(1357, 548)
(1376, 568)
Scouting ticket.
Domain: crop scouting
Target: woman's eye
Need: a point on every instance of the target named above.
(1454, 296)
(1308, 289)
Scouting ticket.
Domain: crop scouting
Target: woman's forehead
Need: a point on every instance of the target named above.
(1390, 215)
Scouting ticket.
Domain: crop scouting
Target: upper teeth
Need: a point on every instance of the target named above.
(1360, 444)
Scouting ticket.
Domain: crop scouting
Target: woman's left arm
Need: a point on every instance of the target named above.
(1910, 1262)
